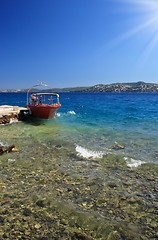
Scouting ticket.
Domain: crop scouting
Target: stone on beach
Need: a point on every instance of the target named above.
(8, 112)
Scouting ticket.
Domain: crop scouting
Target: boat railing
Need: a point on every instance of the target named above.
(39, 99)
(42, 94)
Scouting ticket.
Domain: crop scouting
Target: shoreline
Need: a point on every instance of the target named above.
(11, 113)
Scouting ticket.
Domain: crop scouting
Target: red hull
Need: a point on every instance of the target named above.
(43, 111)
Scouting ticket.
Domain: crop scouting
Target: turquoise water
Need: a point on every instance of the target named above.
(96, 122)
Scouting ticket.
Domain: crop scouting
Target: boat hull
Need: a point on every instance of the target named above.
(43, 111)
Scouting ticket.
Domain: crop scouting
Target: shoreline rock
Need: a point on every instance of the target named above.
(9, 113)
(10, 148)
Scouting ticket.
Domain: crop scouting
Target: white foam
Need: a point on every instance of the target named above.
(71, 112)
(58, 114)
(5, 145)
(1, 143)
(132, 163)
(11, 160)
(12, 120)
(86, 153)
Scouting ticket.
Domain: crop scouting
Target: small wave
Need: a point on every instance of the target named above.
(64, 114)
(71, 112)
(1, 143)
(5, 145)
(58, 114)
(12, 120)
(132, 163)
(11, 160)
(86, 153)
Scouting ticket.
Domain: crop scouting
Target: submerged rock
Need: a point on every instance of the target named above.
(40, 203)
(112, 184)
(3, 149)
(27, 211)
(81, 235)
(10, 148)
(114, 235)
(118, 147)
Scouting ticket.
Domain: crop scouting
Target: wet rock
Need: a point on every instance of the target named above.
(112, 184)
(40, 203)
(64, 222)
(114, 235)
(82, 236)
(27, 212)
(58, 146)
(37, 226)
(3, 149)
(5, 236)
(2, 219)
(118, 147)
(150, 179)
(132, 200)
(5, 119)
(12, 148)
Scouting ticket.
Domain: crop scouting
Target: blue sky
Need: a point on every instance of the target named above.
(70, 43)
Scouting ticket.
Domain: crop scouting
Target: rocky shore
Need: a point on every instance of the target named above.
(44, 199)
(50, 192)
(10, 113)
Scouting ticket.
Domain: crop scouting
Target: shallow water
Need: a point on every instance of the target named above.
(66, 169)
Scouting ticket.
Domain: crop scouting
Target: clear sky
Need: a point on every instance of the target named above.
(70, 43)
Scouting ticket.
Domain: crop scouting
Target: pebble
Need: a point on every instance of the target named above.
(37, 226)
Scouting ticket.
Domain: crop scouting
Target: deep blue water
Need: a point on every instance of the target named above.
(95, 122)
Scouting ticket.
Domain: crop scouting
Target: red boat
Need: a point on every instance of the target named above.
(42, 105)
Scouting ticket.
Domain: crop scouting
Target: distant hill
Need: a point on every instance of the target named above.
(114, 87)
(124, 87)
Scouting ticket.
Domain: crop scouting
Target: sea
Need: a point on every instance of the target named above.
(88, 173)
(94, 123)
